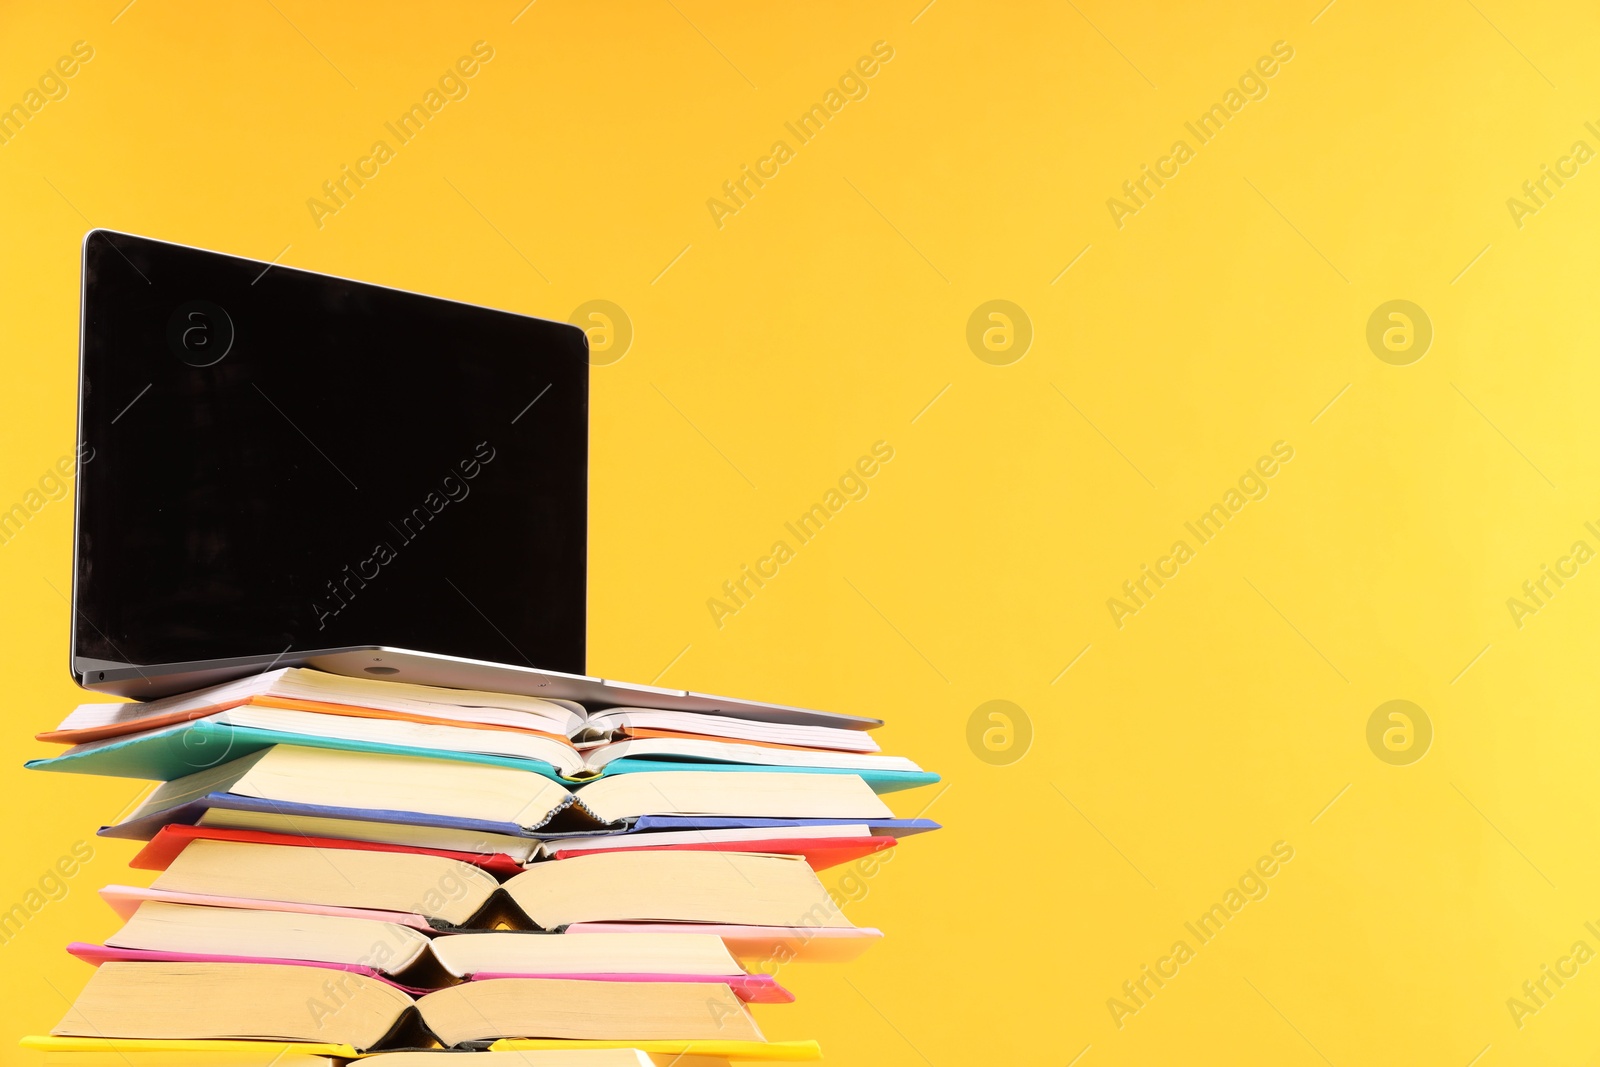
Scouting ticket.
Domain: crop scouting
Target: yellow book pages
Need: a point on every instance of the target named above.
(240, 1053)
(261, 1056)
(771, 1051)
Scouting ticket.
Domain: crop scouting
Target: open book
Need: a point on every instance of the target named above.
(501, 801)
(302, 688)
(820, 846)
(201, 1001)
(169, 737)
(432, 893)
(167, 932)
(512, 1052)
(233, 813)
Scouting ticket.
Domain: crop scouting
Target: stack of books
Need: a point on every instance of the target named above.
(350, 867)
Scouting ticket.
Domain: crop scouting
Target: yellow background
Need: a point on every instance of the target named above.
(826, 314)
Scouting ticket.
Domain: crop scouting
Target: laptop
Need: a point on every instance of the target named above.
(284, 468)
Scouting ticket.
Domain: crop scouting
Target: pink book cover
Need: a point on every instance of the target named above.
(125, 900)
(98, 954)
(750, 988)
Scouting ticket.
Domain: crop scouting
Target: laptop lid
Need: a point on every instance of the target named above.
(280, 461)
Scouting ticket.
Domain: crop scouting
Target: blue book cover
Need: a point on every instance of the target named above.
(174, 751)
(189, 813)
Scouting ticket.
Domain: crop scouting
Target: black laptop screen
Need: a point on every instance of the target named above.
(281, 461)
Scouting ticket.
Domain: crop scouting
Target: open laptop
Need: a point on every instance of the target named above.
(283, 468)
